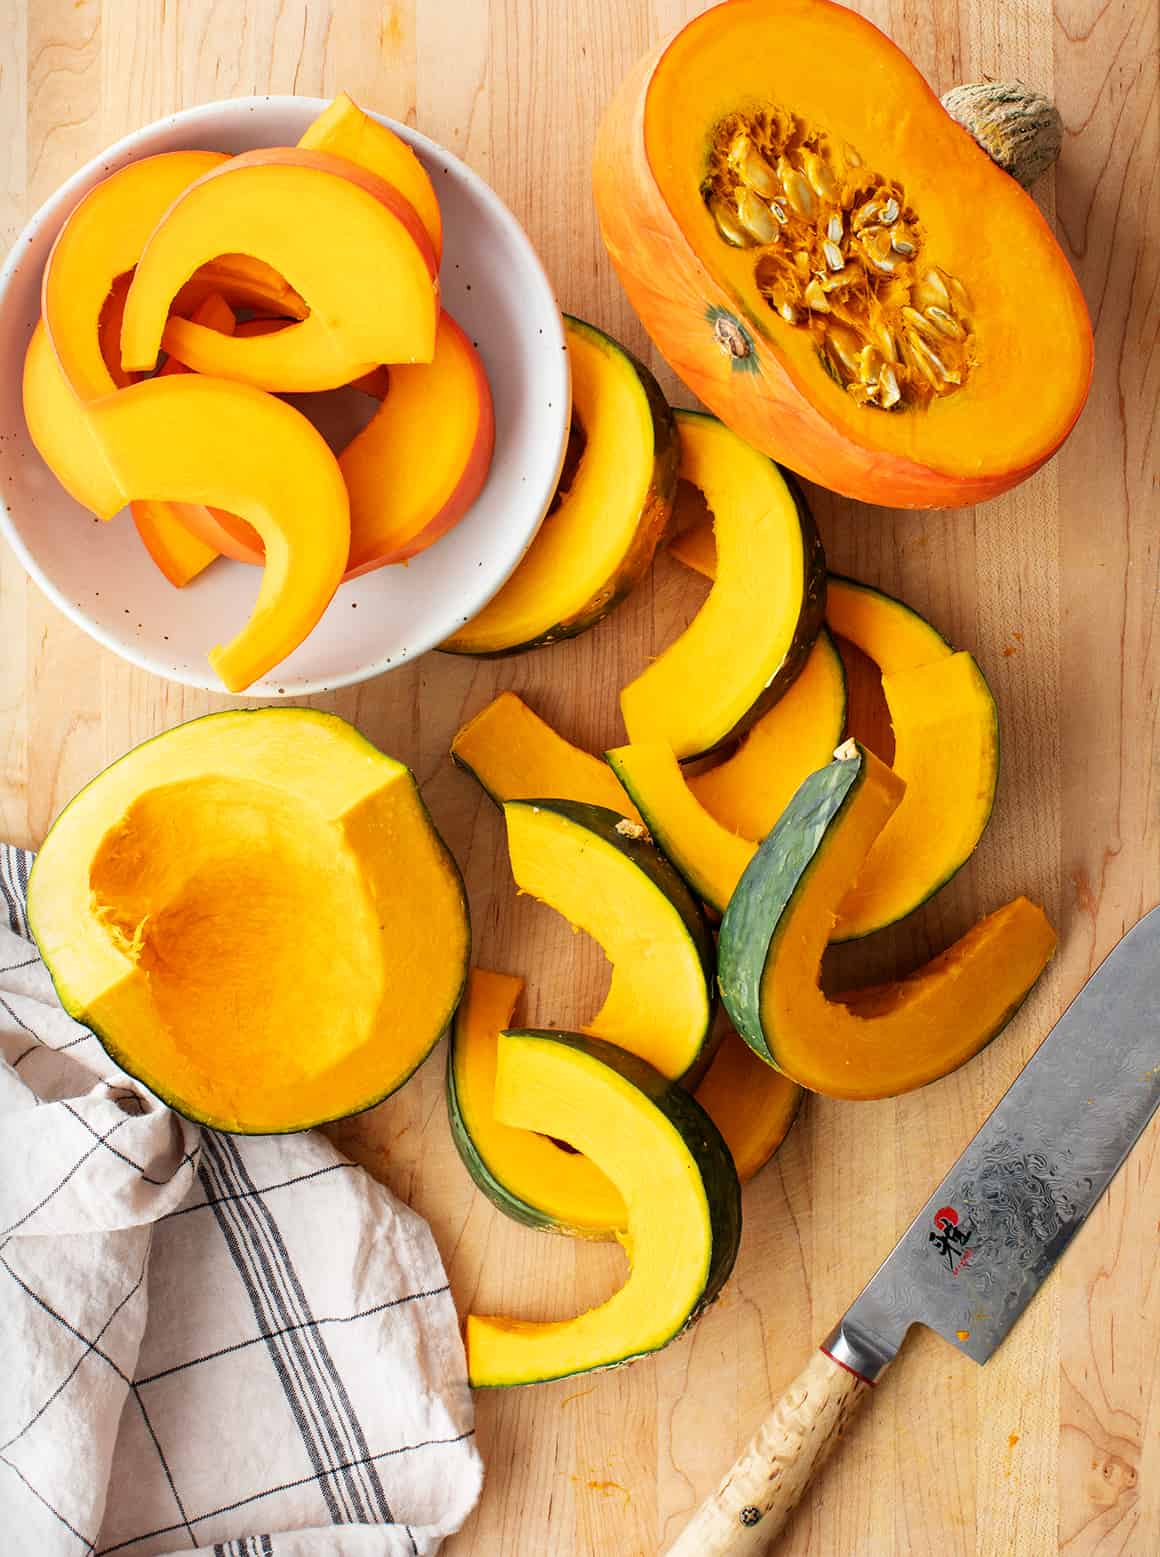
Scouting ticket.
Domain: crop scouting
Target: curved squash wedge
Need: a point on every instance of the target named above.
(678, 1183)
(710, 857)
(63, 433)
(752, 787)
(605, 876)
(752, 1104)
(525, 1174)
(102, 240)
(232, 908)
(598, 539)
(255, 456)
(874, 1042)
(381, 304)
(345, 130)
(516, 755)
(886, 630)
(752, 635)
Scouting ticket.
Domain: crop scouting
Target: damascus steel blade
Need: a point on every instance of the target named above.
(985, 1241)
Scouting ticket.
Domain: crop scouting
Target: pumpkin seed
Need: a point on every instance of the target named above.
(931, 290)
(755, 217)
(834, 230)
(817, 170)
(919, 322)
(865, 214)
(788, 312)
(958, 295)
(853, 160)
(816, 299)
(890, 212)
(779, 212)
(752, 168)
(902, 243)
(843, 344)
(945, 324)
(834, 256)
(870, 364)
(889, 394)
(728, 225)
(797, 190)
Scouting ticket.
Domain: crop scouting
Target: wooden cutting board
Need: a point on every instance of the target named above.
(1055, 1446)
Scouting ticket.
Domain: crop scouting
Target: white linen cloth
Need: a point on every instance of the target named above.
(208, 1343)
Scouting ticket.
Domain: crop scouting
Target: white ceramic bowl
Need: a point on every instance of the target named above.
(100, 575)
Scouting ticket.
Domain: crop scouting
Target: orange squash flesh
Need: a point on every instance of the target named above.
(380, 304)
(344, 130)
(102, 240)
(752, 1104)
(698, 298)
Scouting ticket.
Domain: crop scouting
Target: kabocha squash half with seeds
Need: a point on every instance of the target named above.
(676, 1179)
(613, 505)
(833, 264)
(257, 918)
(754, 632)
(872, 1042)
(604, 874)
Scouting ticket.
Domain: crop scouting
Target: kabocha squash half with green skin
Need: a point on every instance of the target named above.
(873, 1042)
(605, 876)
(525, 1174)
(515, 755)
(946, 751)
(598, 539)
(256, 916)
(753, 633)
(674, 1174)
(797, 222)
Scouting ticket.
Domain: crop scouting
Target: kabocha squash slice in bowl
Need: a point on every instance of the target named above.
(255, 914)
(749, 790)
(874, 1042)
(677, 1180)
(380, 305)
(515, 755)
(809, 255)
(604, 875)
(344, 130)
(614, 503)
(754, 632)
(522, 1172)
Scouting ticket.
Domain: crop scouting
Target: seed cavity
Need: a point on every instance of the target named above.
(839, 252)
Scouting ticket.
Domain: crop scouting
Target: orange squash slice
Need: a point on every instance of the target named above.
(379, 305)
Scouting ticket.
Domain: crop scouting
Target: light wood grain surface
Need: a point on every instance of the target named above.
(1055, 1445)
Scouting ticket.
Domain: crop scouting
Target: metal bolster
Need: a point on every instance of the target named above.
(860, 1350)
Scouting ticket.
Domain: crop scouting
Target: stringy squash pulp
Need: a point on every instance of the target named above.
(232, 908)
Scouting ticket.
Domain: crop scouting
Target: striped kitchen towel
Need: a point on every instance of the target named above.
(208, 1343)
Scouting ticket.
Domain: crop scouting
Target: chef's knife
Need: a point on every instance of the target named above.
(978, 1251)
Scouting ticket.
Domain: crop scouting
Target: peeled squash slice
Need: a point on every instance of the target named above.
(256, 916)
(874, 1042)
(766, 129)
(376, 302)
(675, 1175)
(516, 755)
(752, 635)
(100, 242)
(601, 872)
(345, 130)
(598, 539)
(524, 1173)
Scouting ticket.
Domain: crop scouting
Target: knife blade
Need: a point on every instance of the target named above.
(982, 1245)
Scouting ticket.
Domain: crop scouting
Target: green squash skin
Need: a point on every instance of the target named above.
(757, 909)
(811, 616)
(156, 1085)
(652, 526)
(500, 1196)
(713, 1158)
(669, 882)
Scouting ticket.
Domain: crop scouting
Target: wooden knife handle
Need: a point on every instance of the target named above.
(747, 1511)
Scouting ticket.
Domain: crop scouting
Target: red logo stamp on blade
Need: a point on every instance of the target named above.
(951, 1238)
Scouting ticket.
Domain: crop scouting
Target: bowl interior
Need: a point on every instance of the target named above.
(100, 574)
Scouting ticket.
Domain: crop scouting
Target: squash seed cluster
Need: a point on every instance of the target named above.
(838, 251)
